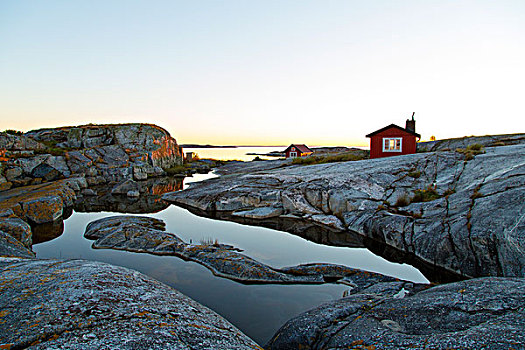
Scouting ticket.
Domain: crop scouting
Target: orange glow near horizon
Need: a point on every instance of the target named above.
(265, 73)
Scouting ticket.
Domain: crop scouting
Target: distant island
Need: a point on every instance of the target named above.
(190, 145)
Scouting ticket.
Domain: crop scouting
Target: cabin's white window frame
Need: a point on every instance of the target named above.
(293, 154)
(392, 144)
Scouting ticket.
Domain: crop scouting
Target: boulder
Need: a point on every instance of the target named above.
(13, 173)
(76, 304)
(40, 203)
(18, 229)
(483, 313)
(46, 172)
(43, 209)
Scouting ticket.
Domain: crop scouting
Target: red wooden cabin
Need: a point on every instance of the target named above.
(294, 151)
(393, 140)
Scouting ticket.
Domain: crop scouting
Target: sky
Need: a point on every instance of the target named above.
(265, 72)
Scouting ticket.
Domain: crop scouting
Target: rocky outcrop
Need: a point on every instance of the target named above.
(483, 313)
(464, 142)
(142, 234)
(101, 153)
(78, 304)
(42, 203)
(467, 216)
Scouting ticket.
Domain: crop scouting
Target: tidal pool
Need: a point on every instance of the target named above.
(258, 310)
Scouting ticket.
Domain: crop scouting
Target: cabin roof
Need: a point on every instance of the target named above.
(395, 127)
(302, 148)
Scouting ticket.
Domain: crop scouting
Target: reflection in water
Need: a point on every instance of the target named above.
(50, 230)
(46, 232)
(149, 201)
(258, 310)
(325, 235)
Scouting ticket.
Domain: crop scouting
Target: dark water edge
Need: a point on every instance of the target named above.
(326, 236)
(258, 310)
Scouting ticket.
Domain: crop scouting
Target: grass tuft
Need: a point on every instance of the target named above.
(341, 157)
(426, 195)
(414, 174)
(471, 151)
(402, 201)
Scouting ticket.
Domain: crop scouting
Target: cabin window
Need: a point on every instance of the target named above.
(392, 144)
(293, 154)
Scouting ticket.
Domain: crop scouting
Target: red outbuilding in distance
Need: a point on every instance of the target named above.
(294, 151)
(393, 140)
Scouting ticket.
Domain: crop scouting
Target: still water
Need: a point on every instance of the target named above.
(237, 153)
(258, 310)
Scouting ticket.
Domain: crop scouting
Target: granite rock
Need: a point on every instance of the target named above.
(146, 235)
(75, 304)
(464, 142)
(46, 172)
(468, 218)
(482, 313)
(11, 247)
(18, 229)
(102, 153)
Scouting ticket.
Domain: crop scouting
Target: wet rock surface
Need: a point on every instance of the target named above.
(147, 235)
(483, 313)
(77, 304)
(469, 218)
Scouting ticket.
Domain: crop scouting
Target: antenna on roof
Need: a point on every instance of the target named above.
(413, 115)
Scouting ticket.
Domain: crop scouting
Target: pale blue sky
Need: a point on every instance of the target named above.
(265, 72)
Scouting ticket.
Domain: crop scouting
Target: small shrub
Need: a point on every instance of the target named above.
(54, 151)
(257, 159)
(305, 161)
(177, 170)
(341, 157)
(415, 174)
(471, 151)
(402, 201)
(475, 147)
(425, 195)
(13, 132)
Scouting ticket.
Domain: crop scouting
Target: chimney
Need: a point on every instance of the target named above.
(411, 124)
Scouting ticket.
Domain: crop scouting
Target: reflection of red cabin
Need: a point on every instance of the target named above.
(294, 151)
(393, 140)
